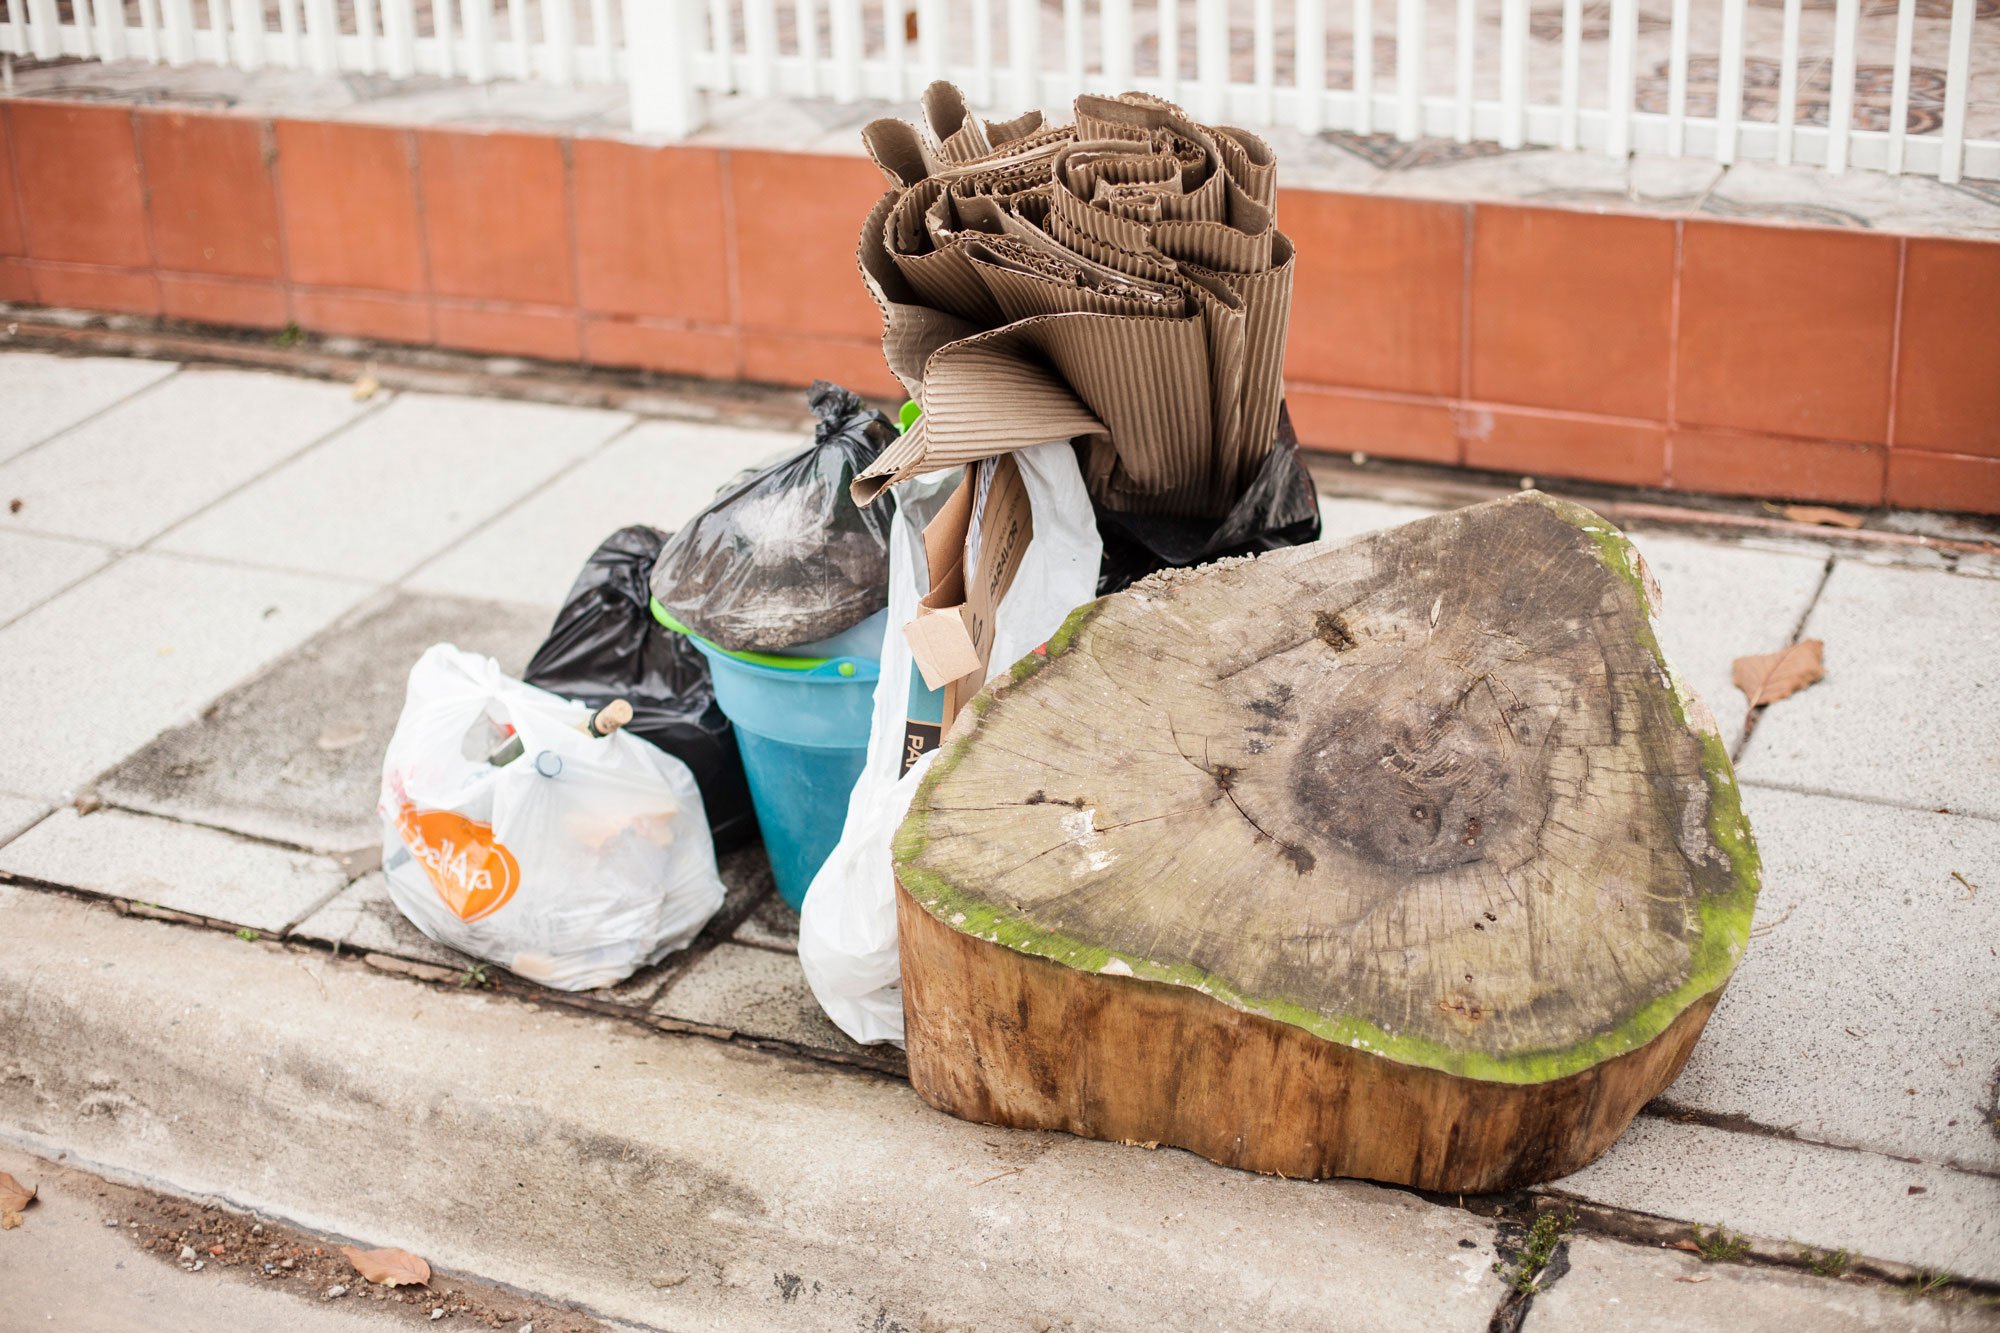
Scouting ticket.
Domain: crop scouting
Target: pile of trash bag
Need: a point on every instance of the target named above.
(514, 833)
(606, 644)
(785, 559)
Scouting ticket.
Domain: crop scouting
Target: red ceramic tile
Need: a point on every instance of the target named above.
(348, 195)
(1379, 291)
(550, 335)
(17, 280)
(12, 240)
(80, 288)
(1919, 479)
(1550, 446)
(1572, 310)
(78, 175)
(775, 359)
(650, 238)
(1786, 330)
(797, 222)
(256, 305)
(711, 353)
(1385, 427)
(496, 216)
(213, 206)
(399, 319)
(1777, 468)
(1948, 369)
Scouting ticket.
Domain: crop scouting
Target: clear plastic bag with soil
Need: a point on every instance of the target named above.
(787, 558)
(1279, 508)
(605, 645)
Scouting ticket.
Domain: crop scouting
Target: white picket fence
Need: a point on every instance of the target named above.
(1566, 75)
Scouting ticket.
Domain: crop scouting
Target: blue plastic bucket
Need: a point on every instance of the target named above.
(802, 727)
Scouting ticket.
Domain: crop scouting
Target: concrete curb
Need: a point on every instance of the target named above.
(660, 1180)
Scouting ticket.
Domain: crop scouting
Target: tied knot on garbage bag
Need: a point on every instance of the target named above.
(784, 560)
(1119, 282)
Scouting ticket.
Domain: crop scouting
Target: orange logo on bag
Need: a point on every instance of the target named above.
(472, 870)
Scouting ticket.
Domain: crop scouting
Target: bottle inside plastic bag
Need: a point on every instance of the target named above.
(786, 558)
(573, 865)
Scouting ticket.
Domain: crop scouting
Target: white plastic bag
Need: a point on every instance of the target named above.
(847, 932)
(574, 865)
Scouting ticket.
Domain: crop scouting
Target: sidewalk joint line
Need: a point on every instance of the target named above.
(113, 406)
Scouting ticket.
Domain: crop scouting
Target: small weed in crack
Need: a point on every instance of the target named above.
(1930, 1284)
(1718, 1246)
(1827, 1263)
(1524, 1272)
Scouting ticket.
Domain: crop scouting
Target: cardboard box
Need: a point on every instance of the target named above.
(974, 547)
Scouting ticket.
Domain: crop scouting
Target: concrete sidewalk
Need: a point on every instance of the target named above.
(213, 586)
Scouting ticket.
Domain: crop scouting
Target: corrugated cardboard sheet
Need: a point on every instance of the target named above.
(1120, 282)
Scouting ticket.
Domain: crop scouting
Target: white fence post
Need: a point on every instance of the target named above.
(44, 29)
(660, 37)
(177, 16)
(1364, 67)
(1840, 99)
(1211, 60)
(478, 19)
(1513, 73)
(1309, 57)
(1619, 80)
(1115, 40)
(1958, 74)
(1024, 53)
(1788, 81)
(1729, 81)
(1899, 96)
(247, 37)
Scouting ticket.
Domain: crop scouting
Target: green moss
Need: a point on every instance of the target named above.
(1725, 903)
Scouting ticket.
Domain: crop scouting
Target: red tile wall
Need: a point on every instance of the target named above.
(1712, 355)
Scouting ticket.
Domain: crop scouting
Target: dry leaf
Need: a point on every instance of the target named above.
(388, 1268)
(365, 387)
(13, 1198)
(1702, 1278)
(1687, 1245)
(1768, 677)
(1820, 514)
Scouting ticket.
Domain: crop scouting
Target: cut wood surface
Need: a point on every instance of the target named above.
(1408, 858)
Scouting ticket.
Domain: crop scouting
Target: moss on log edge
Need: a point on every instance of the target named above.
(1724, 917)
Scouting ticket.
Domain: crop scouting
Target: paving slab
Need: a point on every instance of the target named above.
(398, 488)
(182, 867)
(34, 569)
(139, 647)
(673, 1181)
(1719, 602)
(1910, 707)
(757, 992)
(1782, 1189)
(295, 755)
(141, 467)
(362, 918)
(773, 925)
(1343, 518)
(661, 473)
(18, 814)
(1864, 1010)
(1613, 1287)
(45, 393)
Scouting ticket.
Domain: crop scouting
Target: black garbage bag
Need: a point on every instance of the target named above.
(1280, 507)
(606, 645)
(786, 557)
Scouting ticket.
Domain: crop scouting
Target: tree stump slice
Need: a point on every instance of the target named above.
(1407, 859)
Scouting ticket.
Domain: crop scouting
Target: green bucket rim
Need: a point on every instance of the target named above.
(771, 660)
